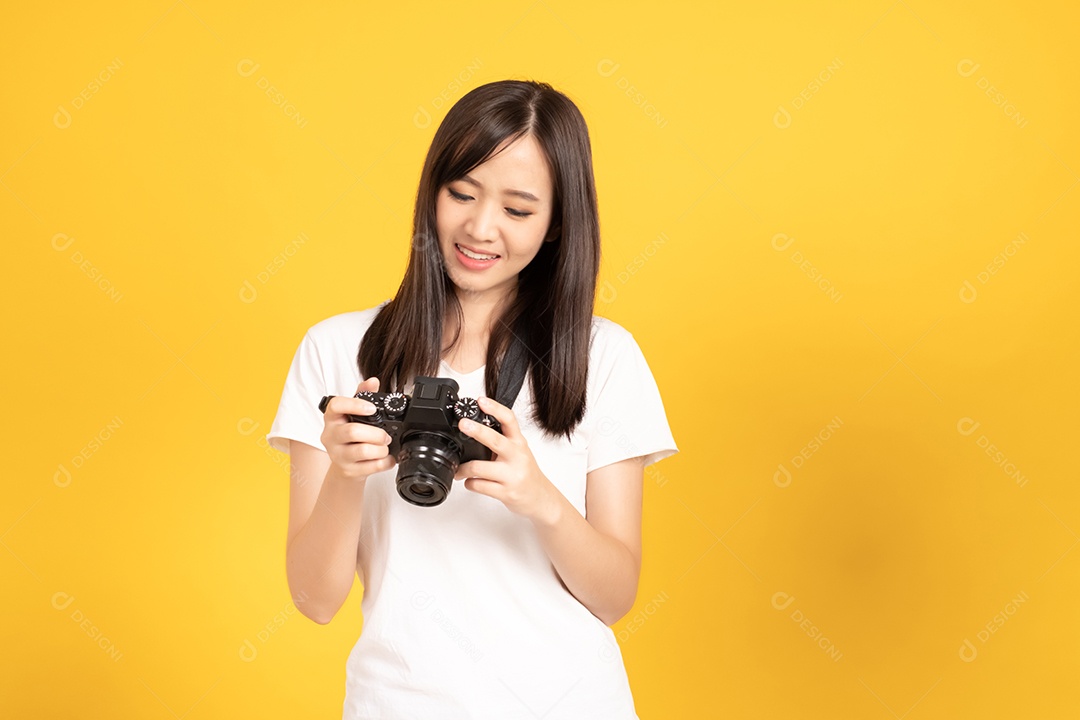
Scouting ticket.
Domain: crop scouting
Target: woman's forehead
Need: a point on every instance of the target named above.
(519, 165)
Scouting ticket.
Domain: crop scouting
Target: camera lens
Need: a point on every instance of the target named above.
(426, 466)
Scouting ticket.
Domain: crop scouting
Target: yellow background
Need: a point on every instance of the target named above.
(171, 237)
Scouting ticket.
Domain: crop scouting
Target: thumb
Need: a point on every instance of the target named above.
(370, 384)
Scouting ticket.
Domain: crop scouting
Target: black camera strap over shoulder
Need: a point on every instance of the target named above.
(512, 372)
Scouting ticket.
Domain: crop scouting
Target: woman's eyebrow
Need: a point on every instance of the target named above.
(520, 193)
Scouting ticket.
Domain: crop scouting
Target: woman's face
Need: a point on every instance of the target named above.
(493, 221)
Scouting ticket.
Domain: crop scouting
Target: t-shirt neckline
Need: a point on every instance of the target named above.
(446, 366)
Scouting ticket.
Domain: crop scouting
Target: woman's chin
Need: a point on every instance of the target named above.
(469, 289)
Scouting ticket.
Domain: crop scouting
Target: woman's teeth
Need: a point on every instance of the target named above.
(470, 254)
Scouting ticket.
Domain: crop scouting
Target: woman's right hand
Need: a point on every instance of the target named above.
(356, 450)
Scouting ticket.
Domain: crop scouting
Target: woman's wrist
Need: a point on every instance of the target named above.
(552, 511)
(337, 475)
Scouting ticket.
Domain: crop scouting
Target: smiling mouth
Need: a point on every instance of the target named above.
(474, 255)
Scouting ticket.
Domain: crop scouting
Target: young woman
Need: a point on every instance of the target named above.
(496, 603)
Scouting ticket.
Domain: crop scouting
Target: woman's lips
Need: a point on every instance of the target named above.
(473, 263)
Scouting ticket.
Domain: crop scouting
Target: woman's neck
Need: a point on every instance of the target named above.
(479, 312)
(478, 315)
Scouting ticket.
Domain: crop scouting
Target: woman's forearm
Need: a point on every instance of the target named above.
(320, 561)
(597, 569)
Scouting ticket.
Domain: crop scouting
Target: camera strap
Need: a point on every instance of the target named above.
(512, 372)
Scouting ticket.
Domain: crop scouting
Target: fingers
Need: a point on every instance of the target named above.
(361, 451)
(338, 429)
(488, 469)
(370, 384)
(495, 440)
(357, 447)
(488, 437)
(339, 406)
(503, 414)
(350, 433)
(484, 487)
(370, 467)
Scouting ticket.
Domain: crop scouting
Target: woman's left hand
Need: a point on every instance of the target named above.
(512, 475)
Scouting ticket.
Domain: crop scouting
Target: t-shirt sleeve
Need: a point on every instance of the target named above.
(298, 416)
(627, 410)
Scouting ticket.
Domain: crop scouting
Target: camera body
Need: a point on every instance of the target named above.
(424, 435)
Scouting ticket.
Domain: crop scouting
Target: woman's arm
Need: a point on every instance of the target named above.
(598, 557)
(326, 505)
(325, 509)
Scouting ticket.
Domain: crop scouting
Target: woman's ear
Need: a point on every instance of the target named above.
(553, 232)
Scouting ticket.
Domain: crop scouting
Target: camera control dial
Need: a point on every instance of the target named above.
(395, 404)
(467, 408)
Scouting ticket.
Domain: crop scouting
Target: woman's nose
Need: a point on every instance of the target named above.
(485, 222)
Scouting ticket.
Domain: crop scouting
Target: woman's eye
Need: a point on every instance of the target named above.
(464, 198)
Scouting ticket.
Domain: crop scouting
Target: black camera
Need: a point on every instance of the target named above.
(424, 435)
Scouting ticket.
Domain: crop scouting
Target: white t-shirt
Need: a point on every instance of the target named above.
(464, 615)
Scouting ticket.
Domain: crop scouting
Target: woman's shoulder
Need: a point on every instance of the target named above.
(345, 328)
(611, 345)
(606, 332)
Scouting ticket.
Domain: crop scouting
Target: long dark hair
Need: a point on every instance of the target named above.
(552, 309)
